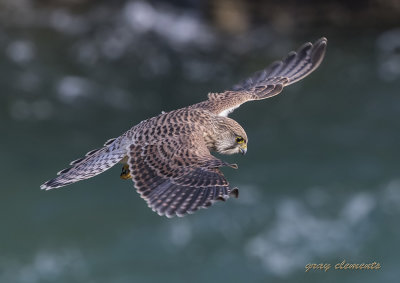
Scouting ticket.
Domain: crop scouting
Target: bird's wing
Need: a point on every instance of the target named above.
(93, 163)
(270, 81)
(178, 175)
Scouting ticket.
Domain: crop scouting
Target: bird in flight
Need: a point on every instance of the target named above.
(169, 158)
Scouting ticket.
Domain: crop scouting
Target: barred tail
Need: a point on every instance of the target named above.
(94, 163)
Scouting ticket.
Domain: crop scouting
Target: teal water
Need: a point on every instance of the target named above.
(320, 182)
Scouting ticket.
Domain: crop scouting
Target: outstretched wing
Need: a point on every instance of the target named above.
(178, 175)
(93, 163)
(270, 81)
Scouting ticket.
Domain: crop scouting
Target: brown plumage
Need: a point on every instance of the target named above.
(169, 157)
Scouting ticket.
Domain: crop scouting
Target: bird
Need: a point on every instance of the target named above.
(168, 156)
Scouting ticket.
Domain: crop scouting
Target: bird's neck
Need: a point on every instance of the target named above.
(210, 139)
(212, 134)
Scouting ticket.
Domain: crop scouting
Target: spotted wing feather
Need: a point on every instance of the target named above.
(176, 178)
(270, 81)
(95, 162)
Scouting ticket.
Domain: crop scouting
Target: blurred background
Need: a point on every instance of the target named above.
(319, 184)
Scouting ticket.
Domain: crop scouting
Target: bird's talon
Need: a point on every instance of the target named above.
(125, 174)
(234, 192)
(234, 166)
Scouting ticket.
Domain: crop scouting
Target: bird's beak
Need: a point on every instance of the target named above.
(243, 149)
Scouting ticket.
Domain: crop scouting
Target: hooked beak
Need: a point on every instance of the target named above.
(243, 149)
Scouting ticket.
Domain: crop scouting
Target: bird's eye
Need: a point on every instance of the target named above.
(239, 140)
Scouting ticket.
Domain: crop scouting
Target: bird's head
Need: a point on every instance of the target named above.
(230, 137)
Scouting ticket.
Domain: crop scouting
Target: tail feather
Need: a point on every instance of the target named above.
(94, 163)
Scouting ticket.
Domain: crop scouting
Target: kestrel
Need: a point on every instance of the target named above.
(168, 156)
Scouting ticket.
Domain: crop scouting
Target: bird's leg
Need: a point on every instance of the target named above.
(125, 174)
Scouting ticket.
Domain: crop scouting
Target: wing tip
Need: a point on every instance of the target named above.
(57, 182)
(322, 40)
(319, 42)
(314, 52)
(46, 186)
(319, 50)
